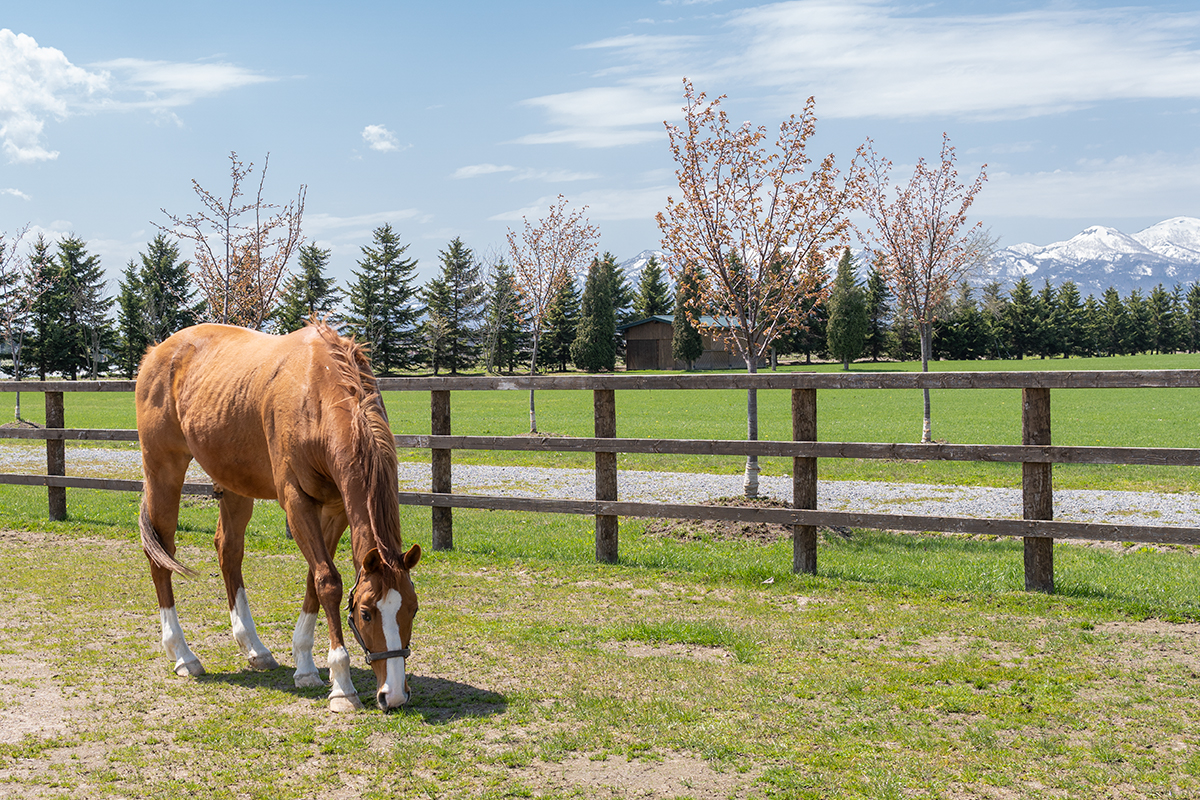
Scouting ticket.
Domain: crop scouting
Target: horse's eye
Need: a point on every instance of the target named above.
(366, 615)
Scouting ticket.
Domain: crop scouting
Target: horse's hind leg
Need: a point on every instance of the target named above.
(159, 517)
(230, 542)
(333, 523)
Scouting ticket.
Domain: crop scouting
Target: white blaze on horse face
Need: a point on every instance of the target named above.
(302, 651)
(394, 691)
(172, 638)
(244, 632)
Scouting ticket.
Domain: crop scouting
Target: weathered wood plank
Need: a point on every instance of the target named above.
(102, 484)
(804, 480)
(443, 518)
(82, 434)
(1097, 379)
(56, 456)
(604, 405)
(1162, 456)
(1049, 529)
(67, 386)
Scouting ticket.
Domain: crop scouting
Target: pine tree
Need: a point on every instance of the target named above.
(1139, 335)
(1048, 334)
(1021, 320)
(382, 312)
(1162, 320)
(309, 294)
(502, 323)
(562, 324)
(1070, 318)
(653, 295)
(594, 348)
(131, 315)
(1091, 340)
(455, 302)
(170, 300)
(1116, 324)
(878, 311)
(88, 333)
(846, 331)
(48, 339)
(992, 307)
(687, 344)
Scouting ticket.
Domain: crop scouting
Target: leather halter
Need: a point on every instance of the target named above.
(403, 652)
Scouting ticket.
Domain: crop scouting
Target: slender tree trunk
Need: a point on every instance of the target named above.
(750, 484)
(532, 368)
(926, 332)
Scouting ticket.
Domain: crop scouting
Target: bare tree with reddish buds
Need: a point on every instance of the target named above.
(20, 287)
(919, 230)
(545, 256)
(759, 223)
(240, 263)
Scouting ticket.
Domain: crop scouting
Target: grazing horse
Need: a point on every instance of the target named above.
(297, 419)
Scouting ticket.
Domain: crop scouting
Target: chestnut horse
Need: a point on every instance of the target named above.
(297, 419)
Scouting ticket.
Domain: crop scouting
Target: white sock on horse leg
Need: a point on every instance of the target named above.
(302, 651)
(176, 646)
(246, 636)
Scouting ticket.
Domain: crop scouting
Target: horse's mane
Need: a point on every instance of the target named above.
(373, 442)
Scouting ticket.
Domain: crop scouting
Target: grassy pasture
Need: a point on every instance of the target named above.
(910, 667)
(1113, 417)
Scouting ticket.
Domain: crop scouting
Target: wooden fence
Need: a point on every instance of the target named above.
(1035, 453)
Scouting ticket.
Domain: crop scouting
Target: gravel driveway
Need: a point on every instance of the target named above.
(1131, 508)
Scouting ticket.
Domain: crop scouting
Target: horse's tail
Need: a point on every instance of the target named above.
(152, 544)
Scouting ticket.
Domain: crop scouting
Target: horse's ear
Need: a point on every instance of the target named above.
(412, 557)
(373, 561)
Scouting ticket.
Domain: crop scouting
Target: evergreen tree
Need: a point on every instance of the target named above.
(89, 337)
(48, 337)
(382, 312)
(562, 323)
(309, 294)
(1021, 320)
(170, 300)
(1161, 309)
(503, 333)
(1181, 327)
(687, 344)
(846, 331)
(809, 337)
(878, 311)
(1090, 341)
(624, 297)
(653, 296)
(992, 308)
(1139, 335)
(131, 315)
(1070, 320)
(1116, 324)
(962, 334)
(1193, 317)
(455, 303)
(1048, 335)
(594, 348)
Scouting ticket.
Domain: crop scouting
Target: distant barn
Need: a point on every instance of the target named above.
(648, 346)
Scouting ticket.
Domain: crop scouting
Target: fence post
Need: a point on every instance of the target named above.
(605, 403)
(56, 455)
(1037, 490)
(443, 517)
(804, 480)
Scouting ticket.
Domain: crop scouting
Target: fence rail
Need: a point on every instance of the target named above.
(1036, 455)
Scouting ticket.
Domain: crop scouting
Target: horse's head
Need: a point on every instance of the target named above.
(382, 605)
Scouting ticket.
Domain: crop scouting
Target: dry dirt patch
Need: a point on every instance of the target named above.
(714, 655)
(674, 776)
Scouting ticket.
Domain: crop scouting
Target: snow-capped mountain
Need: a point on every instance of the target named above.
(1100, 257)
(633, 266)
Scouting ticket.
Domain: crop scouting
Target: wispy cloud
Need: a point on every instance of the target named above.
(163, 85)
(333, 226)
(16, 193)
(526, 174)
(380, 138)
(602, 205)
(1146, 185)
(884, 59)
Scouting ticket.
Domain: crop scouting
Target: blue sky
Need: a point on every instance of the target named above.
(455, 118)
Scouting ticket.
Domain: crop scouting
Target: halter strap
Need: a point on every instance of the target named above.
(403, 652)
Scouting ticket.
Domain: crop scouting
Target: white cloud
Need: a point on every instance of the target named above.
(35, 83)
(168, 84)
(875, 58)
(380, 138)
(600, 205)
(16, 193)
(331, 225)
(475, 170)
(1147, 185)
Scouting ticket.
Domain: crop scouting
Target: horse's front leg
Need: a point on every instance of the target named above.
(325, 584)
(235, 511)
(302, 640)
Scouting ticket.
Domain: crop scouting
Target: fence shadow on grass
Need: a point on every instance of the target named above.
(437, 700)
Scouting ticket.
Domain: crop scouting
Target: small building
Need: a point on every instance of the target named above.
(648, 346)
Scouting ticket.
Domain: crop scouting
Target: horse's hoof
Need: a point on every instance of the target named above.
(191, 669)
(310, 680)
(264, 661)
(343, 704)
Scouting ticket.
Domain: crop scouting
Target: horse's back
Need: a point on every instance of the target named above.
(220, 394)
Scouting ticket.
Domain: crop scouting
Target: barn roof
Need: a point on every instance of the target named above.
(707, 322)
